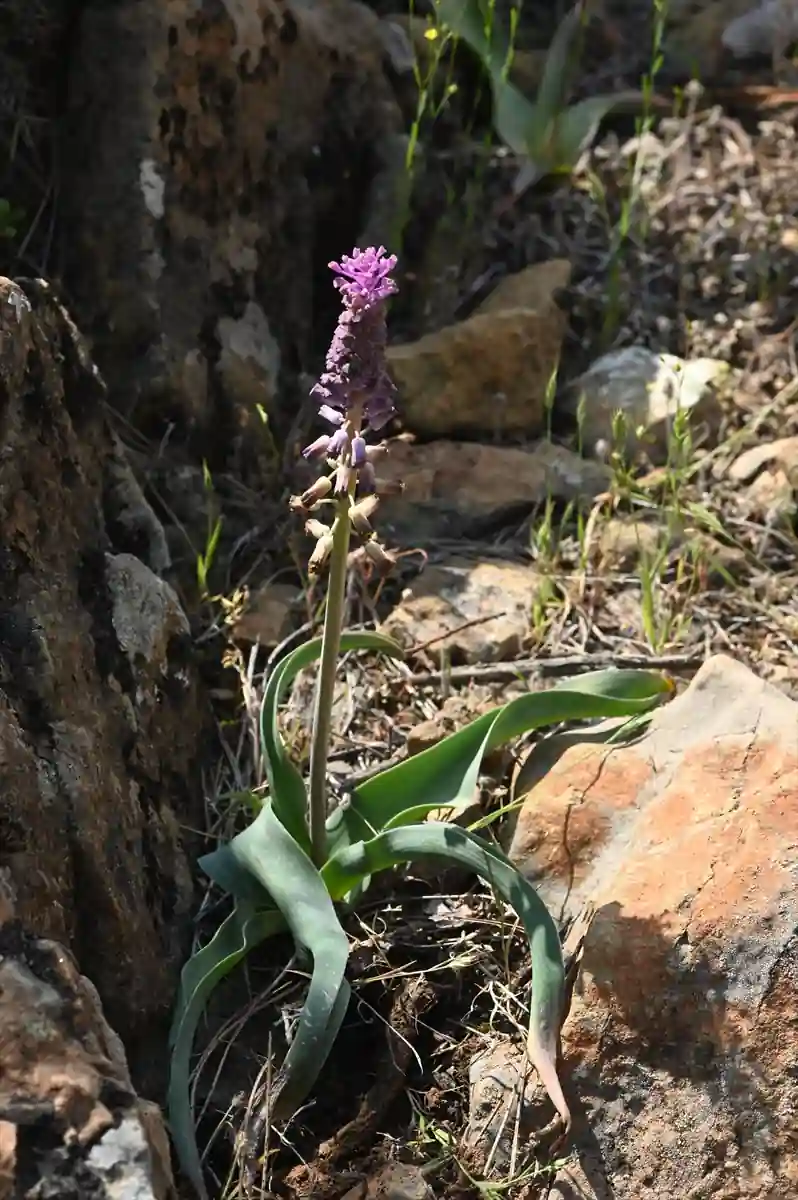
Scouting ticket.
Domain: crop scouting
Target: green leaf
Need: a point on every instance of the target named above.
(480, 30)
(268, 851)
(558, 70)
(349, 866)
(576, 127)
(244, 929)
(519, 123)
(286, 784)
(446, 774)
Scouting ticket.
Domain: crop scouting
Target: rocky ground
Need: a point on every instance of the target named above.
(536, 535)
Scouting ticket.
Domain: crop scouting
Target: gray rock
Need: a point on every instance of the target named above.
(648, 389)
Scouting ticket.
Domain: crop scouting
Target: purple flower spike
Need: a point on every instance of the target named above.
(355, 389)
(355, 370)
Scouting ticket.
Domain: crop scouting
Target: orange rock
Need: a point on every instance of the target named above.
(682, 1037)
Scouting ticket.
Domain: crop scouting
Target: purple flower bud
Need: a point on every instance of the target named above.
(365, 276)
(331, 414)
(318, 449)
(366, 479)
(339, 443)
(355, 387)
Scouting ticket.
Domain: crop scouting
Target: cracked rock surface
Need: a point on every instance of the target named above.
(681, 1039)
(102, 718)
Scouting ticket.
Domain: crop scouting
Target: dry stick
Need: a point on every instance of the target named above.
(549, 668)
(441, 637)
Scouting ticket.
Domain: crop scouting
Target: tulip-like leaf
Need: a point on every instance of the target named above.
(349, 866)
(577, 126)
(561, 59)
(286, 785)
(268, 851)
(241, 932)
(445, 775)
(545, 132)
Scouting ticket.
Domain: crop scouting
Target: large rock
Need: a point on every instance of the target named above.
(473, 611)
(459, 488)
(696, 33)
(101, 716)
(71, 1124)
(770, 475)
(682, 1039)
(205, 184)
(492, 373)
(647, 390)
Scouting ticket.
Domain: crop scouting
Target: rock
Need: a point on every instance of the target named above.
(269, 614)
(767, 28)
(771, 474)
(695, 38)
(782, 453)
(475, 611)
(102, 720)
(648, 389)
(146, 616)
(456, 488)
(457, 711)
(770, 498)
(395, 1181)
(70, 1121)
(131, 520)
(623, 543)
(203, 142)
(501, 1104)
(679, 1049)
(532, 289)
(491, 373)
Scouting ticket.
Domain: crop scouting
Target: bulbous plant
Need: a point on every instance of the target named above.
(297, 860)
(548, 135)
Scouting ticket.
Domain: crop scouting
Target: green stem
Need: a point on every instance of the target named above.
(325, 688)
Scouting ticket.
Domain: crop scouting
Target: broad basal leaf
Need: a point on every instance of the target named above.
(286, 785)
(576, 127)
(446, 774)
(241, 932)
(351, 865)
(561, 58)
(269, 852)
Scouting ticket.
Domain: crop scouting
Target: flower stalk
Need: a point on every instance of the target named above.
(325, 687)
(356, 395)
